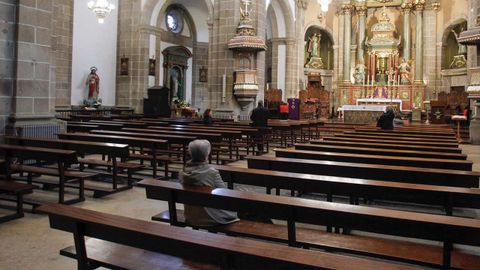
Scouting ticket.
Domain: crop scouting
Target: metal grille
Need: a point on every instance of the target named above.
(49, 131)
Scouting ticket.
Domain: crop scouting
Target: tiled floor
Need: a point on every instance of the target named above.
(29, 243)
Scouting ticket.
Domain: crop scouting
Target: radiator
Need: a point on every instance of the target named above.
(48, 131)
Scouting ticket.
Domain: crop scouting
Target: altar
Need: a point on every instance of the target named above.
(394, 102)
(362, 114)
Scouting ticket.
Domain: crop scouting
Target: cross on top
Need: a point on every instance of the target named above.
(245, 11)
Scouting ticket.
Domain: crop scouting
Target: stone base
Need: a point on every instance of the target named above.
(475, 131)
(315, 63)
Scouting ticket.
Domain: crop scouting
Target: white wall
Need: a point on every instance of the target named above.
(94, 44)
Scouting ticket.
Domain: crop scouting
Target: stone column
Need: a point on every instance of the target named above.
(362, 13)
(299, 25)
(419, 7)
(290, 71)
(406, 10)
(347, 41)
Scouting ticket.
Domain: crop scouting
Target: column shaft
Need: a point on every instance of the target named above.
(347, 39)
(419, 45)
(362, 12)
(406, 35)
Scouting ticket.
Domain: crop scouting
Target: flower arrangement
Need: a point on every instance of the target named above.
(92, 103)
(180, 103)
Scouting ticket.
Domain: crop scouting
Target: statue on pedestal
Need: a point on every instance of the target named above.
(313, 51)
(359, 74)
(459, 60)
(404, 70)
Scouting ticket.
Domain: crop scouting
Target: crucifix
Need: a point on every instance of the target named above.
(245, 12)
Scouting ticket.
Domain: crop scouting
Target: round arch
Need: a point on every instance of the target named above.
(448, 41)
(326, 45)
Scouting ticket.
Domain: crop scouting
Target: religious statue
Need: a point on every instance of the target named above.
(93, 84)
(314, 45)
(359, 74)
(417, 100)
(459, 60)
(462, 49)
(313, 52)
(404, 70)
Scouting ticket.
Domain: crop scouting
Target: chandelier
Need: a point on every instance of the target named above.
(324, 4)
(101, 8)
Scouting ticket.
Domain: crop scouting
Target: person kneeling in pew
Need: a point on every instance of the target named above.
(199, 173)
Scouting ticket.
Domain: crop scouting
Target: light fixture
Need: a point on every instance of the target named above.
(324, 4)
(101, 8)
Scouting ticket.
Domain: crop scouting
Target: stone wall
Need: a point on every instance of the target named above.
(62, 35)
(199, 89)
(7, 49)
(34, 59)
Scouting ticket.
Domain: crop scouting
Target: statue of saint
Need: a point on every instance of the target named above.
(314, 45)
(93, 84)
(462, 49)
(359, 74)
(404, 70)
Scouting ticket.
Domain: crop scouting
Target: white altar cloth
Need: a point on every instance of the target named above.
(375, 101)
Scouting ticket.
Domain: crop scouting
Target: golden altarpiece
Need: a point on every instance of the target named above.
(387, 78)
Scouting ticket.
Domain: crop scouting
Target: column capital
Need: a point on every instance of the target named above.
(347, 9)
(436, 6)
(419, 5)
(361, 10)
(406, 7)
(303, 4)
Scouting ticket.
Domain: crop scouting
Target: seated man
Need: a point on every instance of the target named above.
(386, 120)
(199, 173)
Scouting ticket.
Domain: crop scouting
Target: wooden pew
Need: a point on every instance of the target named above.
(154, 145)
(427, 145)
(354, 188)
(229, 135)
(403, 135)
(430, 142)
(415, 175)
(385, 144)
(108, 125)
(117, 157)
(63, 158)
(124, 243)
(376, 150)
(182, 140)
(449, 164)
(448, 230)
(429, 133)
(81, 128)
(17, 190)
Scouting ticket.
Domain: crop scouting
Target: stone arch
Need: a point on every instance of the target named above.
(326, 40)
(286, 13)
(449, 45)
(151, 8)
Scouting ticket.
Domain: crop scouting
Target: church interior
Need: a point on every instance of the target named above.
(240, 134)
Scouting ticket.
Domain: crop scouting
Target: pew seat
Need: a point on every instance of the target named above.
(139, 244)
(130, 167)
(18, 190)
(116, 256)
(353, 244)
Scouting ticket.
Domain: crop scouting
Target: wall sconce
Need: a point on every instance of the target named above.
(124, 66)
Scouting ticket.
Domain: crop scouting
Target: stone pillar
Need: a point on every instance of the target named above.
(62, 42)
(273, 52)
(290, 72)
(133, 42)
(362, 12)
(300, 37)
(347, 41)
(407, 44)
(419, 7)
(7, 60)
